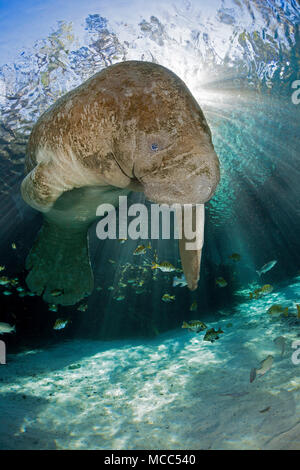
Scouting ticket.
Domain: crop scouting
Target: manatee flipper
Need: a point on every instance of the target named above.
(59, 264)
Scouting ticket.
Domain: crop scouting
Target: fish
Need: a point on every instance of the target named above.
(14, 246)
(120, 297)
(298, 310)
(122, 240)
(99, 288)
(266, 289)
(212, 335)
(4, 280)
(57, 292)
(220, 281)
(53, 308)
(164, 266)
(20, 289)
(194, 325)
(7, 292)
(265, 409)
(266, 267)
(235, 257)
(280, 342)
(82, 308)
(179, 281)
(140, 250)
(142, 290)
(193, 307)
(168, 298)
(278, 309)
(263, 368)
(60, 324)
(110, 288)
(2, 268)
(112, 261)
(6, 328)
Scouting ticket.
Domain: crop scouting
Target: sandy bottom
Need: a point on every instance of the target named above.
(174, 392)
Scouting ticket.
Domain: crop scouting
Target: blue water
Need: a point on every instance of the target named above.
(240, 59)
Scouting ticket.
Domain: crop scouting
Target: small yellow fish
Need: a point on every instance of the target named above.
(194, 325)
(2, 268)
(14, 246)
(149, 246)
(220, 281)
(168, 298)
(277, 309)
(193, 307)
(235, 257)
(164, 266)
(140, 250)
(4, 280)
(60, 324)
(122, 240)
(298, 310)
(212, 335)
(266, 289)
(111, 261)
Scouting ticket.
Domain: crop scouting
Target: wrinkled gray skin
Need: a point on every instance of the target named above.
(95, 144)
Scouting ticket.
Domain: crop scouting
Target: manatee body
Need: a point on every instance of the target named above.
(134, 126)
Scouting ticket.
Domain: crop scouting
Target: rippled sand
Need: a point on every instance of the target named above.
(174, 392)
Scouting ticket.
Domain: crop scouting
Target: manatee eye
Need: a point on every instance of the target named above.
(154, 147)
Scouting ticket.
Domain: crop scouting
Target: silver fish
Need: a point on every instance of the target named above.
(179, 281)
(6, 328)
(266, 267)
(280, 342)
(265, 365)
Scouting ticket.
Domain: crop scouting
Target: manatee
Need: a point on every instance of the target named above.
(134, 126)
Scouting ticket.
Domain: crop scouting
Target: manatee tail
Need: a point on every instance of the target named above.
(59, 264)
